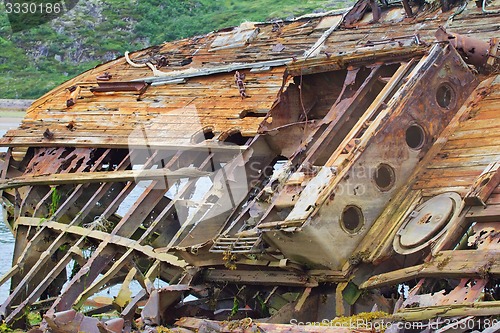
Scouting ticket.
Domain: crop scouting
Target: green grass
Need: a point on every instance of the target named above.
(34, 61)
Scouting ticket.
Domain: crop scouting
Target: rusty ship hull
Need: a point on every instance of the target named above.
(272, 174)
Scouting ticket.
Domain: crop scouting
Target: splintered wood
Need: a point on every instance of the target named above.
(273, 174)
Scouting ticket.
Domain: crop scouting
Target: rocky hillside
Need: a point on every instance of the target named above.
(94, 31)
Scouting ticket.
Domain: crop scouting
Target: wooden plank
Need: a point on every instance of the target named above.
(104, 176)
(497, 190)
(474, 134)
(490, 213)
(260, 277)
(468, 171)
(471, 143)
(439, 182)
(469, 152)
(103, 236)
(463, 161)
(110, 142)
(479, 309)
(447, 264)
(481, 113)
(474, 124)
(324, 64)
(494, 199)
(216, 70)
(433, 191)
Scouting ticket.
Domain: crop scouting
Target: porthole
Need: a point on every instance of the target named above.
(445, 96)
(235, 137)
(203, 135)
(415, 136)
(352, 219)
(384, 177)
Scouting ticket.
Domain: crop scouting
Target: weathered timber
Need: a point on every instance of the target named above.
(480, 309)
(103, 236)
(447, 264)
(249, 326)
(102, 176)
(491, 213)
(260, 277)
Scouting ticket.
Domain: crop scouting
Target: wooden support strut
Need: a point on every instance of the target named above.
(54, 245)
(247, 326)
(453, 310)
(104, 254)
(61, 238)
(484, 185)
(99, 177)
(37, 238)
(121, 261)
(450, 264)
(118, 264)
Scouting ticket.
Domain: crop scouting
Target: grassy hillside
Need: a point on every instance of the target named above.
(34, 61)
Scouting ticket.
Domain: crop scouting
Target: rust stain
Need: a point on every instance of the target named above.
(269, 170)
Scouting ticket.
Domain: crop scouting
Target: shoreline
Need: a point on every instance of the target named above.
(14, 105)
(12, 114)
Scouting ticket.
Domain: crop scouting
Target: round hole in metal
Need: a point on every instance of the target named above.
(415, 136)
(352, 219)
(202, 135)
(445, 96)
(384, 177)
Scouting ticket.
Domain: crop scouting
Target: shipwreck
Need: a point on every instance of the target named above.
(268, 177)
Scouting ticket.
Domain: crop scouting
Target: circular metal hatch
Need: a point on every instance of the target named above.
(426, 223)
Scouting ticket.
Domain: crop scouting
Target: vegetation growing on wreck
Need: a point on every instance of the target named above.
(361, 320)
(34, 61)
(33, 319)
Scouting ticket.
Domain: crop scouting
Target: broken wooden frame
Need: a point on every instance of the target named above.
(290, 222)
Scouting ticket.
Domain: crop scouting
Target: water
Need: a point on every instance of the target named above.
(6, 237)
(7, 249)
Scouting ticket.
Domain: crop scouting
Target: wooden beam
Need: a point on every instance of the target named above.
(491, 213)
(103, 236)
(261, 277)
(167, 77)
(113, 142)
(484, 185)
(453, 310)
(99, 177)
(449, 264)
(333, 63)
(242, 326)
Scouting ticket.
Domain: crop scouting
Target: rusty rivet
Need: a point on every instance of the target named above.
(71, 125)
(104, 77)
(48, 134)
